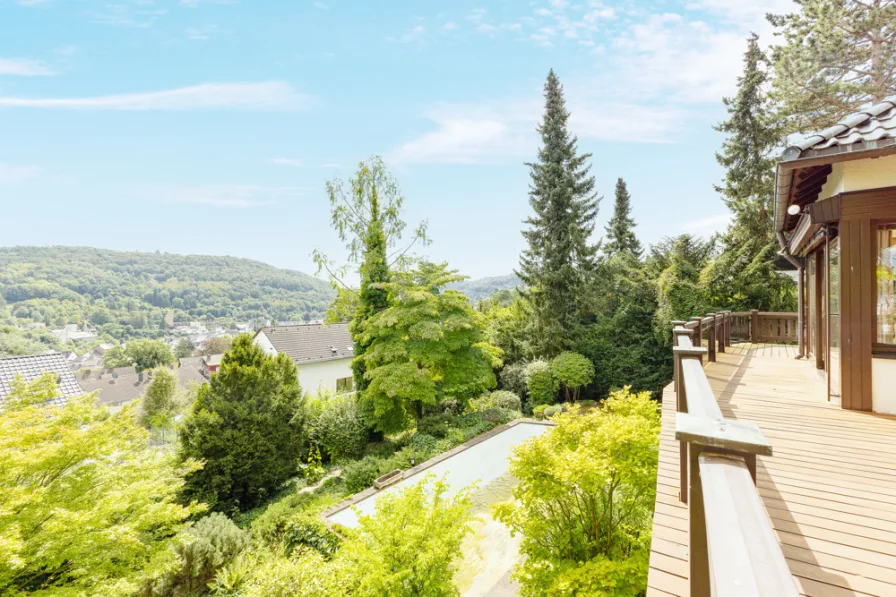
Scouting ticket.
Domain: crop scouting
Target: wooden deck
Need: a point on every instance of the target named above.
(829, 489)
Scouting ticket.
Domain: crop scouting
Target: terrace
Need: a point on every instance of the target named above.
(821, 518)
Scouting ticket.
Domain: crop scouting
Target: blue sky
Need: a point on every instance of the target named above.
(204, 126)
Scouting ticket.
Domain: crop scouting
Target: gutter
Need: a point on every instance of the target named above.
(783, 181)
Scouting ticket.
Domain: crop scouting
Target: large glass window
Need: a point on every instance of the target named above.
(344, 385)
(886, 284)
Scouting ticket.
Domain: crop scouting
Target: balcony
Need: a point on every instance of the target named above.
(821, 518)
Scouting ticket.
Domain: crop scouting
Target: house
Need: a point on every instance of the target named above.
(32, 367)
(211, 363)
(835, 216)
(323, 353)
(117, 387)
(71, 333)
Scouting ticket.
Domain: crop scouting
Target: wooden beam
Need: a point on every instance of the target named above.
(736, 436)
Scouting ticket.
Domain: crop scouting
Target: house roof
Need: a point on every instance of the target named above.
(32, 367)
(190, 362)
(124, 388)
(311, 343)
(213, 360)
(805, 165)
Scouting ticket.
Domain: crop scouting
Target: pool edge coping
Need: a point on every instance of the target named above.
(371, 491)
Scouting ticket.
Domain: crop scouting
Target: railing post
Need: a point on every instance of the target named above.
(711, 337)
(698, 549)
(727, 328)
(676, 374)
(720, 337)
(676, 325)
(698, 331)
(754, 326)
(681, 405)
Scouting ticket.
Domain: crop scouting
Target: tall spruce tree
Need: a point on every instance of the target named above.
(559, 259)
(837, 56)
(621, 227)
(744, 275)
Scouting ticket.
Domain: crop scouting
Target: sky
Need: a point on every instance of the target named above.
(212, 126)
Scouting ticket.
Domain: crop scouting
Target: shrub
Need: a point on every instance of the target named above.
(552, 411)
(588, 403)
(541, 383)
(360, 475)
(498, 399)
(424, 444)
(436, 425)
(308, 531)
(338, 429)
(573, 370)
(538, 411)
(513, 378)
(270, 525)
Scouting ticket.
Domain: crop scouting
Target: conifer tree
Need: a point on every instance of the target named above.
(744, 275)
(621, 227)
(559, 259)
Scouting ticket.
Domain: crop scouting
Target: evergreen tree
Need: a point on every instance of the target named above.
(247, 427)
(559, 259)
(838, 56)
(744, 276)
(621, 227)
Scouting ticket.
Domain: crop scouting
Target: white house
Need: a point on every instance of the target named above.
(323, 353)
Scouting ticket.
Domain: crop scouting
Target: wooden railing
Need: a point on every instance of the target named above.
(764, 326)
(733, 549)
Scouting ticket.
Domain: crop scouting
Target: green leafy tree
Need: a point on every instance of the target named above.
(558, 261)
(343, 307)
(585, 499)
(142, 354)
(338, 428)
(116, 357)
(161, 402)
(183, 349)
(675, 264)
(247, 425)
(541, 385)
(216, 345)
(418, 561)
(78, 484)
(367, 218)
(573, 371)
(427, 346)
(744, 276)
(621, 227)
(837, 57)
(506, 328)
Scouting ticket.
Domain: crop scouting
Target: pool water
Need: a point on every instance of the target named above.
(489, 552)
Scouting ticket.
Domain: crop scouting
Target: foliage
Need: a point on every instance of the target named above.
(538, 411)
(306, 531)
(161, 402)
(215, 345)
(486, 288)
(572, 371)
(621, 227)
(339, 429)
(270, 525)
(360, 474)
(114, 290)
(744, 276)
(305, 573)
(143, 354)
(247, 425)
(837, 57)
(541, 384)
(506, 328)
(498, 399)
(183, 349)
(418, 560)
(558, 261)
(437, 425)
(585, 496)
(210, 544)
(675, 263)
(552, 411)
(15, 342)
(343, 307)
(76, 485)
(513, 378)
(426, 347)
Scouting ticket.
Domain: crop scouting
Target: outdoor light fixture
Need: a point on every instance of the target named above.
(793, 209)
(413, 461)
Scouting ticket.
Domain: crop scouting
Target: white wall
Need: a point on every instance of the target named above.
(322, 375)
(262, 340)
(860, 175)
(883, 386)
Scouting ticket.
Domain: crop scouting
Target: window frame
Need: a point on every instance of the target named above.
(878, 349)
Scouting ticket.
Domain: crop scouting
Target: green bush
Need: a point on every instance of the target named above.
(498, 399)
(437, 425)
(588, 403)
(513, 378)
(573, 371)
(424, 444)
(270, 525)
(538, 411)
(359, 475)
(552, 410)
(309, 531)
(541, 383)
(338, 429)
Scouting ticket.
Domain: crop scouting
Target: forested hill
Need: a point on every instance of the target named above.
(128, 292)
(483, 288)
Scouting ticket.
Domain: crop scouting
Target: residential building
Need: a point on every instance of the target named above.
(71, 333)
(117, 387)
(34, 366)
(323, 353)
(211, 363)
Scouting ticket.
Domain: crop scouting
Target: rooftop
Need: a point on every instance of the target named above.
(311, 342)
(32, 367)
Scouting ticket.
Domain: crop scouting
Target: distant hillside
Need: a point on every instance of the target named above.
(128, 294)
(485, 287)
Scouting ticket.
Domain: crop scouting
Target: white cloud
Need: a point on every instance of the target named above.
(321, 6)
(17, 173)
(411, 35)
(201, 33)
(449, 26)
(287, 162)
(707, 226)
(137, 16)
(238, 196)
(265, 95)
(23, 67)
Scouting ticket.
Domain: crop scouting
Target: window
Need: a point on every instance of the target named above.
(886, 284)
(344, 385)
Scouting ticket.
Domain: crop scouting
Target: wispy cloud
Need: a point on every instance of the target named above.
(413, 34)
(236, 196)
(321, 6)
(201, 33)
(23, 67)
(707, 226)
(449, 26)
(266, 95)
(136, 15)
(295, 163)
(17, 173)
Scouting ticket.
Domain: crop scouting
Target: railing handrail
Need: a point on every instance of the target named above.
(733, 550)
